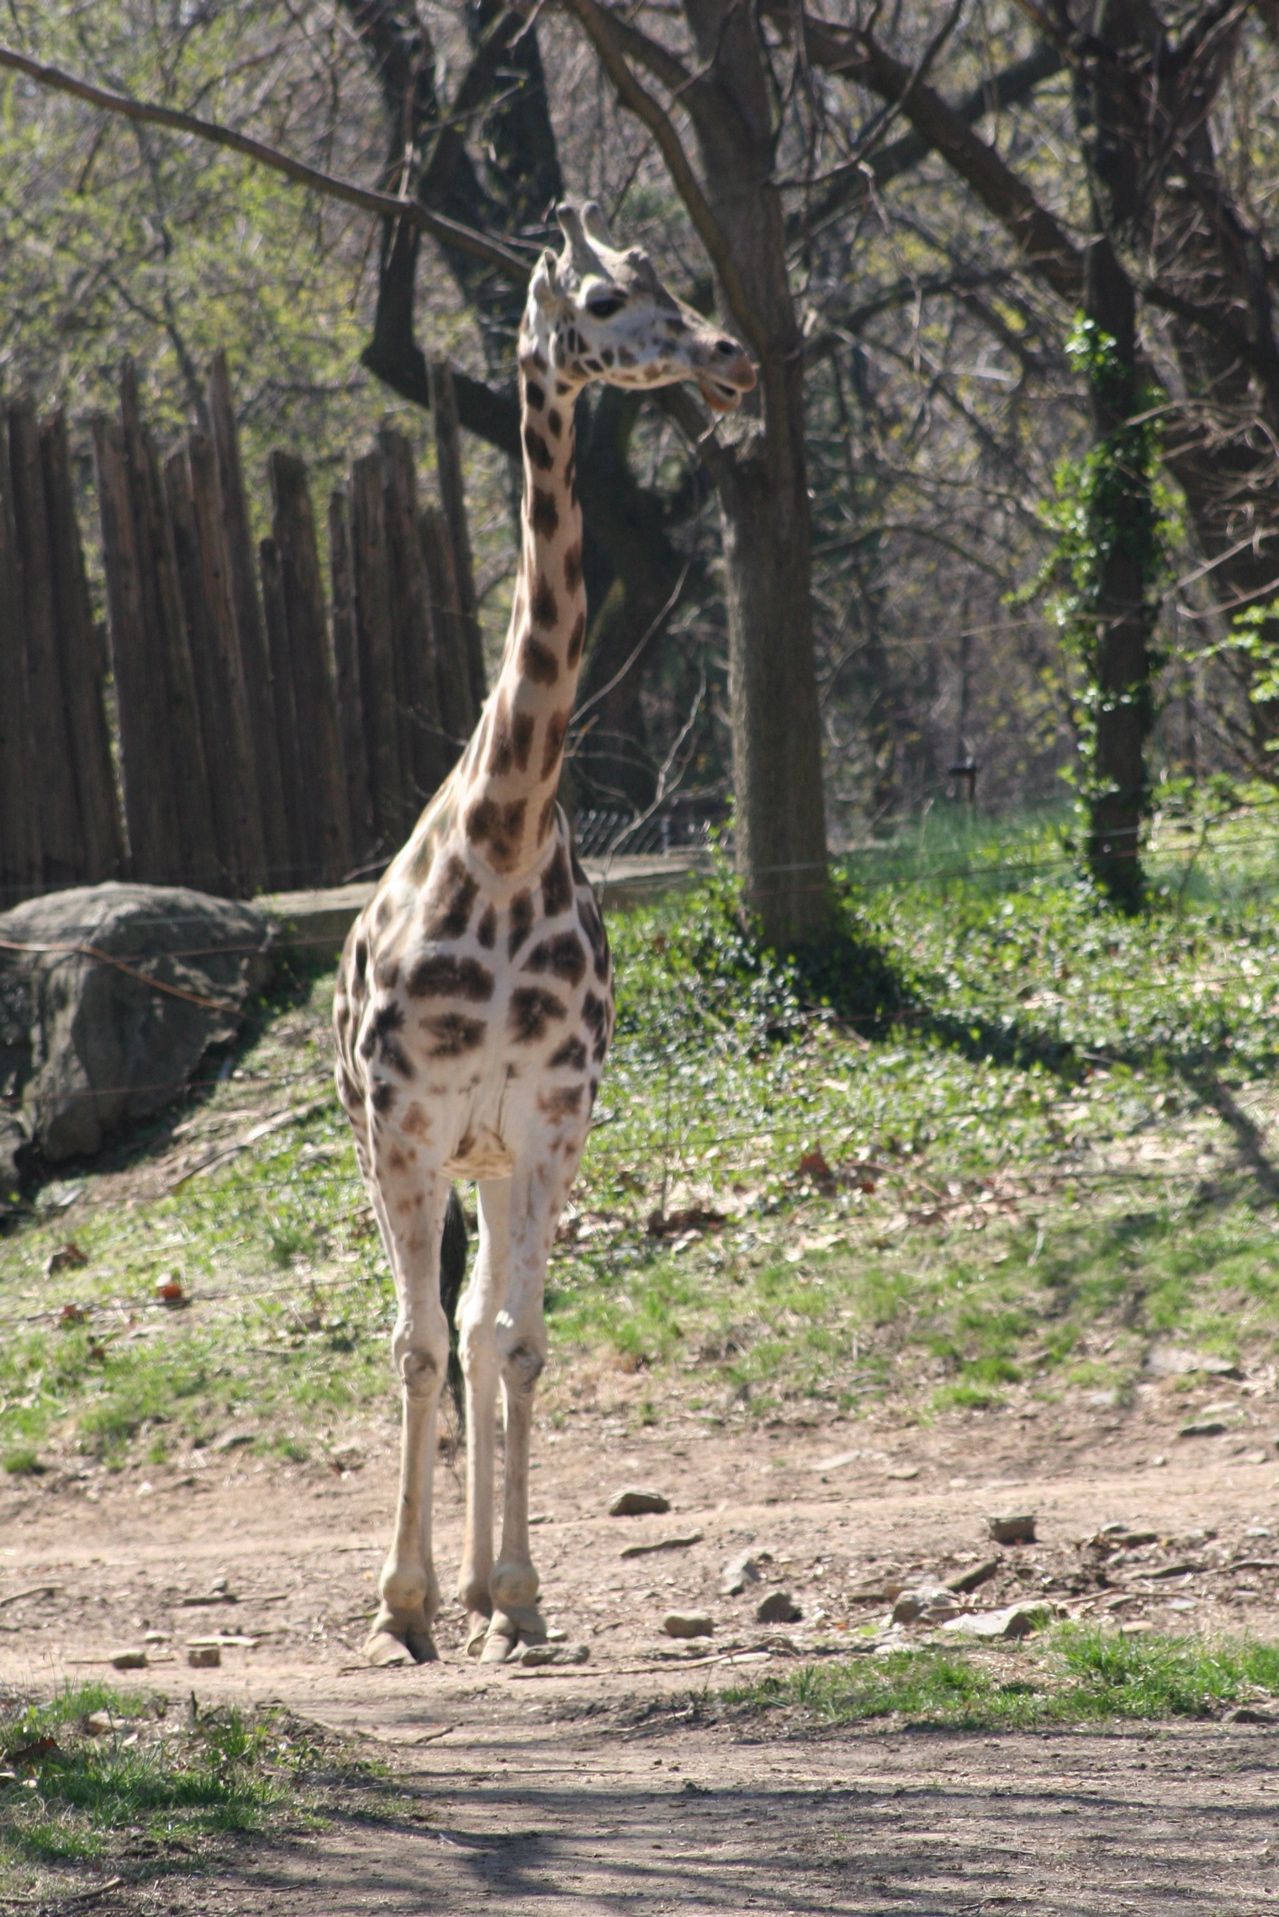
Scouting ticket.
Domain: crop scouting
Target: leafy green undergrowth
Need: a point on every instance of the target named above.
(988, 1135)
(1073, 1677)
(98, 1777)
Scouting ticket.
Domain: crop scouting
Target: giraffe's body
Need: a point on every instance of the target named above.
(474, 999)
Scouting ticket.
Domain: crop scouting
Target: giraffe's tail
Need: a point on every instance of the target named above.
(452, 1278)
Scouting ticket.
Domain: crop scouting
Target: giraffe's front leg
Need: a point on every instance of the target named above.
(477, 1341)
(411, 1214)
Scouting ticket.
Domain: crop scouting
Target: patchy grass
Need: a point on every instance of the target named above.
(989, 1137)
(1074, 1677)
(162, 1789)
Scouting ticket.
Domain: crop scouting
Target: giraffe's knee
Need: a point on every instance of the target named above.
(522, 1365)
(420, 1362)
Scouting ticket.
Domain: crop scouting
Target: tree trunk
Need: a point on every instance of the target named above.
(763, 491)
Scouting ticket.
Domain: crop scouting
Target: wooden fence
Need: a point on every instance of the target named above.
(266, 734)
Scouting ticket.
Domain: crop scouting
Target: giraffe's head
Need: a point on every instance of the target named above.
(600, 314)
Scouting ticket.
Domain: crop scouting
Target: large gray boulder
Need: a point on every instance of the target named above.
(92, 1038)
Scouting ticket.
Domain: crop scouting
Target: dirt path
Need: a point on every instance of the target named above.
(523, 1796)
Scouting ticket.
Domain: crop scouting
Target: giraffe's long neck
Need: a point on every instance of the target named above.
(509, 787)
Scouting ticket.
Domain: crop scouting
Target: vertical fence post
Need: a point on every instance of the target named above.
(457, 710)
(61, 840)
(187, 794)
(377, 656)
(20, 851)
(139, 704)
(411, 623)
(448, 459)
(319, 746)
(298, 862)
(81, 664)
(346, 664)
(255, 657)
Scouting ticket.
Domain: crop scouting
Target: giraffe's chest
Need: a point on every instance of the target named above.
(482, 1019)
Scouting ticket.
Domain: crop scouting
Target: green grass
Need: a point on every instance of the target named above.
(1074, 1677)
(982, 1053)
(163, 1788)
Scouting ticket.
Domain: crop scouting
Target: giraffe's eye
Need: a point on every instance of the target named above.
(605, 306)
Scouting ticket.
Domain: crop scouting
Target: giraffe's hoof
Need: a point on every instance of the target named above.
(477, 1625)
(510, 1631)
(381, 1648)
(387, 1649)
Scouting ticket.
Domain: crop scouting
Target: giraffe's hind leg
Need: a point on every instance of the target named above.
(411, 1214)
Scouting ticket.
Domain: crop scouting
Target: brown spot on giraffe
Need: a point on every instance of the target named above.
(449, 901)
(361, 959)
(444, 975)
(500, 827)
(593, 926)
(534, 394)
(521, 919)
(522, 726)
(501, 751)
(562, 956)
(573, 566)
(538, 451)
(415, 1121)
(546, 820)
(486, 930)
(595, 1018)
(556, 733)
(382, 1096)
(555, 421)
(571, 1053)
(539, 662)
(453, 1034)
(577, 639)
(562, 1103)
(531, 1009)
(544, 609)
(545, 514)
(557, 886)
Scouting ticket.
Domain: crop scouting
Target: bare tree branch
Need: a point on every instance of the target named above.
(449, 232)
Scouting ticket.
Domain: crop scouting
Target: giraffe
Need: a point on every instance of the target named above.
(474, 1002)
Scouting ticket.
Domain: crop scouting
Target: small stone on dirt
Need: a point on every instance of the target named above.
(536, 1654)
(1169, 1361)
(1012, 1530)
(130, 1660)
(779, 1607)
(98, 1724)
(1249, 1714)
(903, 1473)
(1015, 1620)
(969, 1580)
(924, 1604)
(231, 1440)
(1202, 1428)
(737, 1574)
(687, 1624)
(635, 1502)
(204, 1657)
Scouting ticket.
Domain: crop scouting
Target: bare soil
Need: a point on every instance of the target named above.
(565, 1787)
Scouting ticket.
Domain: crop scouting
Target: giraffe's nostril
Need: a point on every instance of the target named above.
(728, 347)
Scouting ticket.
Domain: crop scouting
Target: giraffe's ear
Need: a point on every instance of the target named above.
(544, 284)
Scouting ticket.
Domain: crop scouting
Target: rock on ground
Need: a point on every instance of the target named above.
(90, 1039)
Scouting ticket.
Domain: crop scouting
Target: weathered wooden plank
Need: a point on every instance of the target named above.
(411, 628)
(20, 857)
(152, 835)
(299, 863)
(319, 745)
(377, 656)
(234, 758)
(448, 457)
(62, 861)
(346, 665)
(457, 716)
(255, 657)
(81, 664)
(187, 778)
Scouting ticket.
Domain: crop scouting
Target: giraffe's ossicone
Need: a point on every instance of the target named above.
(474, 1000)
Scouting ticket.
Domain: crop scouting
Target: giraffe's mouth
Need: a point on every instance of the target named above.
(719, 395)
